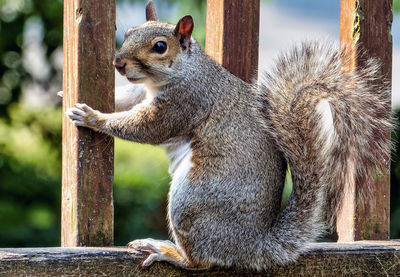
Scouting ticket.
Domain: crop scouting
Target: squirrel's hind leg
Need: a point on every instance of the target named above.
(162, 250)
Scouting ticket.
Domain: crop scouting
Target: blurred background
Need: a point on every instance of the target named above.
(30, 114)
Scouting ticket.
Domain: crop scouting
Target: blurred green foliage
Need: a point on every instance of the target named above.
(14, 16)
(30, 142)
(396, 6)
(30, 166)
(140, 192)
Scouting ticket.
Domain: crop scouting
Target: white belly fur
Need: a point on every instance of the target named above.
(179, 154)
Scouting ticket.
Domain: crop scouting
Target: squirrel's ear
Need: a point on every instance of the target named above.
(183, 31)
(151, 14)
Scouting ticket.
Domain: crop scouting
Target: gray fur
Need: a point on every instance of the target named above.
(225, 210)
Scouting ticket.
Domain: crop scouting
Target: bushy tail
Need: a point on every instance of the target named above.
(332, 127)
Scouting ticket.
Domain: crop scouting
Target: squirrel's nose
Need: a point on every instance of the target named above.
(120, 64)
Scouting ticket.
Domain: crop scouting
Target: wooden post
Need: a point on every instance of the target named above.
(366, 25)
(232, 35)
(88, 77)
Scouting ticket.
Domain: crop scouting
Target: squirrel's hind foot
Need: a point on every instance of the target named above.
(161, 250)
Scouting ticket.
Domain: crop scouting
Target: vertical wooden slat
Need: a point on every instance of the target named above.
(232, 35)
(88, 77)
(366, 25)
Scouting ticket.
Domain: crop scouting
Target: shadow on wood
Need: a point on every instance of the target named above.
(324, 259)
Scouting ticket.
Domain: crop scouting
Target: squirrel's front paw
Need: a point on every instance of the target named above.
(85, 116)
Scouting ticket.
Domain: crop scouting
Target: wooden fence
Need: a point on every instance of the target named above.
(231, 39)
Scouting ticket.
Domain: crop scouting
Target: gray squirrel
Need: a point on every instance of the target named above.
(229, 143)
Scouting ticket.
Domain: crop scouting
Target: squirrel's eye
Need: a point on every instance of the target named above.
(160, 47)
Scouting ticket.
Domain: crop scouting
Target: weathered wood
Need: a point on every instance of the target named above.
(366, 25)
(88, 77)
(232, 35)
(324, 259)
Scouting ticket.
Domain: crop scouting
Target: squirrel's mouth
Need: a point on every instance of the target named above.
(133, 79)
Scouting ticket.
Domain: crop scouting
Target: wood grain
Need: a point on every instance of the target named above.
(366, 25)
(88, 77)
(232, 35)
(323, 259)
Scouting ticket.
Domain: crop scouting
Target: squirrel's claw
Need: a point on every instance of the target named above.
(153, 258)
(76, 116)
(84, 116)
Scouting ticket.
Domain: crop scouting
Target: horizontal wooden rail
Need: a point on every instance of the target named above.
(324, 259)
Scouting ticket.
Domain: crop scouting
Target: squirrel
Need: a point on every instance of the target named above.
(229, 143)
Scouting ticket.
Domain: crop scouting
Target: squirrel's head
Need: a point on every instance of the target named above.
(150, 51)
